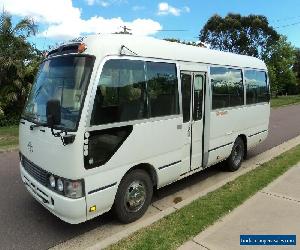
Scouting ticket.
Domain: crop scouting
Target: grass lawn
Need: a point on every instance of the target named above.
(284, 100)
(175, 229)
(9, 137)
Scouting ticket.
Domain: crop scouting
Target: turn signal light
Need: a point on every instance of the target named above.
(93, 208)
(82, 47)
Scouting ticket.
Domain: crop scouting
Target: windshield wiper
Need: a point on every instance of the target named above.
(37, 125)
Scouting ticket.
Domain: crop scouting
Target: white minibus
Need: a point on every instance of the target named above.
(111, 118)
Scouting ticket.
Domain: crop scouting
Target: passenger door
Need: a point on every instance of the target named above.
(197, 120)
(186, 92)
(192, 107)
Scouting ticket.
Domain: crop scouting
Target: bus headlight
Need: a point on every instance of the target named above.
(52, 181)
(68, 188)
(60, 185)
(74, 189)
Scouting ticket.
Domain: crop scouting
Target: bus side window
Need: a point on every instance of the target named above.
(198, 97)
(132, 89)
(102, 144)
(162, 89)
(227, 87)
(120, 95)
(186, 96)
(257, 89)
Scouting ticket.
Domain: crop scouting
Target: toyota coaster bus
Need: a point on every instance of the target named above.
(110, 118)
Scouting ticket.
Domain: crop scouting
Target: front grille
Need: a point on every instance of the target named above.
(36, 172)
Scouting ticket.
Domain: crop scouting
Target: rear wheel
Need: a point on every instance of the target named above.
(134, 196)
(235, 159)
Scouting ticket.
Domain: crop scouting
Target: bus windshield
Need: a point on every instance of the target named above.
(62, 78)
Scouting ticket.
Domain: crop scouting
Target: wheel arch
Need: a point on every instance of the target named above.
(149, 169)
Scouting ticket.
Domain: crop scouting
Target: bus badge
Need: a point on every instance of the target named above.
(30, 147)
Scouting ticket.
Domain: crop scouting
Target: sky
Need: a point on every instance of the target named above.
(62, 20)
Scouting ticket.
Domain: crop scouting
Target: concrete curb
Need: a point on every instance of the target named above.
(247, 166)
(131, 229)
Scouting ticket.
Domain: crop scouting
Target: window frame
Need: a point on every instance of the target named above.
(189, 73)
(203, 76)
(147, 81)
(94, 86)
(119, 71)
(211, 86)
(245, 85)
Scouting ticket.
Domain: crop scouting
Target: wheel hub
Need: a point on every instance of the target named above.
(237, 155)
(135, 196)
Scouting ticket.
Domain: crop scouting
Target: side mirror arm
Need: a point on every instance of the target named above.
(66, 138)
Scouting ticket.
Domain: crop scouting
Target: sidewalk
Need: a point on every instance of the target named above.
(273, 210)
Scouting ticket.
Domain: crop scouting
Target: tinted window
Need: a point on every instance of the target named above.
(186, 96)
(121, 93)
(132, 89)
(198, 97)
(227, 87)
(256, 86)
(162, 89)
(103, 144)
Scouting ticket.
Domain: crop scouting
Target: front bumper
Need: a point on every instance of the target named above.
(69, 210)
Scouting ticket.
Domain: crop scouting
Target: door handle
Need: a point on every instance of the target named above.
(189, 131)
(179, 126)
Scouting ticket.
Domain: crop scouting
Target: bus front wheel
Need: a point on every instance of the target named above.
(236, 157)
(133, 196)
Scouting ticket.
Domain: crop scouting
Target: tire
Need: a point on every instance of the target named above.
(133, 196)
(236, 157)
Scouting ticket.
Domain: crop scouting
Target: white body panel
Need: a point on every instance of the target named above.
(161, 143)
(227, 124)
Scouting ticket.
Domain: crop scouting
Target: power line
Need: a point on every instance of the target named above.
(284, 19)
(287, 25)
(171, 30)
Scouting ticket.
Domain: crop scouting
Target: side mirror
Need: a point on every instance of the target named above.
(53, 112)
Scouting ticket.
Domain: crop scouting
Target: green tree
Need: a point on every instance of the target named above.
(251, 35)
(296, 66)
(280, 60)
(247, 35)
(19, 62)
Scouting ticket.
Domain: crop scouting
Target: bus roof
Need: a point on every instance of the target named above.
(111, 44)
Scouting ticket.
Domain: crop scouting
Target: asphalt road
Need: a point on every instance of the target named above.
(25, 224)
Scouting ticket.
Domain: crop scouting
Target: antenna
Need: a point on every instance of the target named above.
(125, 30)
(122, 52)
